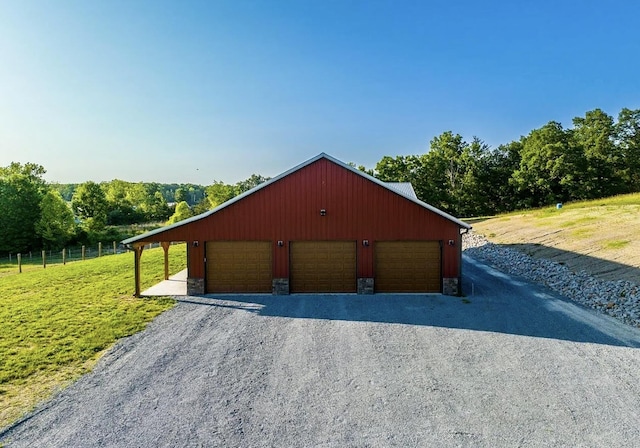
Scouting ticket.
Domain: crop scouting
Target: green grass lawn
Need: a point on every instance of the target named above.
(57, 321)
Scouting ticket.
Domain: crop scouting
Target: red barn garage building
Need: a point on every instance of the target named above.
(320, 227)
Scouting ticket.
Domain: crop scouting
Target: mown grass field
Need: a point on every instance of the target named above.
(56, 322)
(599, 236)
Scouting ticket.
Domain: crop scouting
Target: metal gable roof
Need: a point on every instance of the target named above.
(404, 189)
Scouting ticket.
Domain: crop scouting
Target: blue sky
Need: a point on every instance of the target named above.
(217, 90)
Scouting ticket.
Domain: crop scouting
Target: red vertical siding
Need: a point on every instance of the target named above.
(289, 210)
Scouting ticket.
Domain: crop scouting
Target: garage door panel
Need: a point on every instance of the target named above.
(323, 266)
(407, 266)
(239, 266)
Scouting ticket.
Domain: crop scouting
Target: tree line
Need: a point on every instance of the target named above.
(598, 156)
(191, 193)
(38, 215)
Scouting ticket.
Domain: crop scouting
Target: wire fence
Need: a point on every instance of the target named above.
(44, 258)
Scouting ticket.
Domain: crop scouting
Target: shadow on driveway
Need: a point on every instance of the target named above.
(493, 302)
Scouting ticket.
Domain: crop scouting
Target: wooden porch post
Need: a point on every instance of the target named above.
(137, 248)
(165, 246)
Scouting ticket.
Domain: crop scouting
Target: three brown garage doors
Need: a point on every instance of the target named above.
(323, 266)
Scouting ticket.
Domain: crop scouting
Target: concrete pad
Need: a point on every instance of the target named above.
(175, 286)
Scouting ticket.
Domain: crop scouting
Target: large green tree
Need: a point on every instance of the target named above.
(594, 135)
(90, 205)
(182, 212)
(398, 169)
(253, 181)
(56, 225)
(219, 192)
(21, 190)
(628, 138)
(497, 167)
(181, 195)
(450, 174)
(120, 206)
(472, 195)
(129, 202)
(157, 209)
(551, 166)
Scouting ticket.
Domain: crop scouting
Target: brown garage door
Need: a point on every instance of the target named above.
(239, 266)
(407, 266)
(323, 266)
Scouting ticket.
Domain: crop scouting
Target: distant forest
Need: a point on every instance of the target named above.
(192, 193)
(598, 156)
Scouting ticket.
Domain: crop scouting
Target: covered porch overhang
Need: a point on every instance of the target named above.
(138, 247)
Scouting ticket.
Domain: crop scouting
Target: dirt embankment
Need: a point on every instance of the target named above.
(599, 239)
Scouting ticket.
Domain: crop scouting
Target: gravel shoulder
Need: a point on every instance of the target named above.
(510, 364)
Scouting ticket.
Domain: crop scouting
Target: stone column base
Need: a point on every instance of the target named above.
(450, 287)
(365, 286)
(280, 286)
(195, 286)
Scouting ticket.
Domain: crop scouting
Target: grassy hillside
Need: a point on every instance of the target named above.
(56, 322)
(598, 236)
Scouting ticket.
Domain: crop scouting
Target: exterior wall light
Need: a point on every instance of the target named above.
(323, 212)
(365, 243)
(280, 243)
(452, 243)
(195, 244)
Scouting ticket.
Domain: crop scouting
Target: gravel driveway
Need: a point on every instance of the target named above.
(509, 365)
